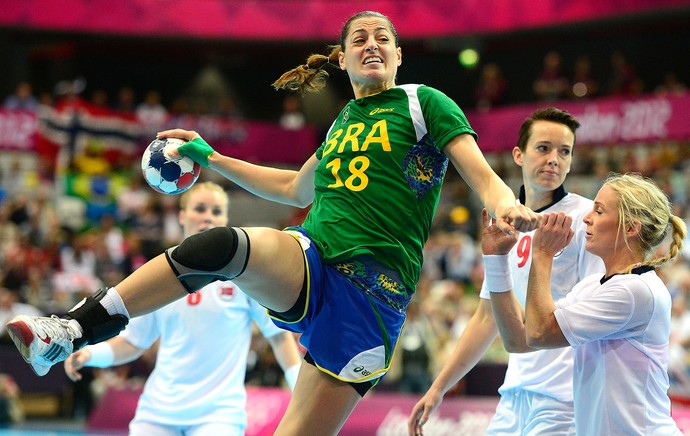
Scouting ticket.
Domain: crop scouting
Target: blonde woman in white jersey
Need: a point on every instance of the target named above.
(197, 386)
(536, 395)
(617, 323)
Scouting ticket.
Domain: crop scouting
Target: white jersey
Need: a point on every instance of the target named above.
(620, 330)
(202, 358)
(550, 372)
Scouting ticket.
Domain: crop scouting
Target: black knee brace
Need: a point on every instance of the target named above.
(220, 253)
(97, 323)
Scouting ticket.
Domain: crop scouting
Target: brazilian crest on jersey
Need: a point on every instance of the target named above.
(379, 178)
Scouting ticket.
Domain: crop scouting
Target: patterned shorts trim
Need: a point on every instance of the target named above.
(375, 283)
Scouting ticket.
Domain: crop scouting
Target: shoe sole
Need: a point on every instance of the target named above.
(23, 337)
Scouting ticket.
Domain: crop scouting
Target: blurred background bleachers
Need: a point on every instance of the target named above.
(83, 94)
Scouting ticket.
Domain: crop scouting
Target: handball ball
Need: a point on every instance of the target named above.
(167, 175)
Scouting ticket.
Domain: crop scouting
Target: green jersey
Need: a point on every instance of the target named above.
(379, 178)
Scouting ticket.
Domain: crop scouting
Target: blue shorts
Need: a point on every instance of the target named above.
(349, 334)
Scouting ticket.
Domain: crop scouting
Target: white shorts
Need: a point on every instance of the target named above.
(143, 428)
(521, 412)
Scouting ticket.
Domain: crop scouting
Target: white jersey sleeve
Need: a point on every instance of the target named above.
(619, 308)
(142, 331)
(263, 321)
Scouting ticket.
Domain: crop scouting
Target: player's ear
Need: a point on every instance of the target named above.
(517, 155)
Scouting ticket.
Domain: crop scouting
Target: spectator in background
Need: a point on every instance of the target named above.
(20, 258)
(292, 117)
(10, 306)
(492, 88)
(22, 99)
(76, 276)
(459, 257)
(583, 84)
(624, 78)
(228, 107)
(552, 84)
(148, 226)
(9, 231)
(671, 85)
(126, 102)
(132, 200)
(98, 104)
(151, 113)
(11, 411)
(68, 93)
(417, 349)
(113, 238)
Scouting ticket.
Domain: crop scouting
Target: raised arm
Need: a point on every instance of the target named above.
(295, 188)
(508, 312)
(473, 343)
(495, 195)
(541, 326)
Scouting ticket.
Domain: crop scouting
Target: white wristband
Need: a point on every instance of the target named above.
(497, 273)
(102, 355)
(290, 375)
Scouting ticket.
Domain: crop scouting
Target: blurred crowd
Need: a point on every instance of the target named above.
(580, 79)
(52, 255)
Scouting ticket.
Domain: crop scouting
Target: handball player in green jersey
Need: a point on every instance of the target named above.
(344, 277)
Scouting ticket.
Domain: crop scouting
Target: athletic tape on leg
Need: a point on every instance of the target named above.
(220, 253)
(94, 319)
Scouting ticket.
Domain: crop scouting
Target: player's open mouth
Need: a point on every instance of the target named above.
(373, 59)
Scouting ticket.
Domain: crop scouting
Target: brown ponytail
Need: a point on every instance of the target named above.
(311, 76)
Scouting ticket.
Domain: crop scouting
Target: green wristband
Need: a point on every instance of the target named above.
(198, 150)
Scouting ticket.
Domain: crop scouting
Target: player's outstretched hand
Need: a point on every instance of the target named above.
(554, 234)
(195, 148)
(517, 218)
(494, 241)
(421, 412)
(75, 362)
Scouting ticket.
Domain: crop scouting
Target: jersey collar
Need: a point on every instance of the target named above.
(639, 270)
(558, 195)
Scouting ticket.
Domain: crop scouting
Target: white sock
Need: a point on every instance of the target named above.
(74, 323)
(112, 302)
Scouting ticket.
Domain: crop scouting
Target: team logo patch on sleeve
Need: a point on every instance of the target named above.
(424, 166)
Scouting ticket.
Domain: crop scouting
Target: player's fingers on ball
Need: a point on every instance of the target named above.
(185, 135)
(166, 133)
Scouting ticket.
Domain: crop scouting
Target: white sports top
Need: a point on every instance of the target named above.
(620, 333)
(202, 359)
(550, 372)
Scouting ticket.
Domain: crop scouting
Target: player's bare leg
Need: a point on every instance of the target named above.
(320, 404)
(273, 276)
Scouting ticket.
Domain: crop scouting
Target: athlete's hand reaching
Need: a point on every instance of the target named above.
(75, 362)
(494, 241)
